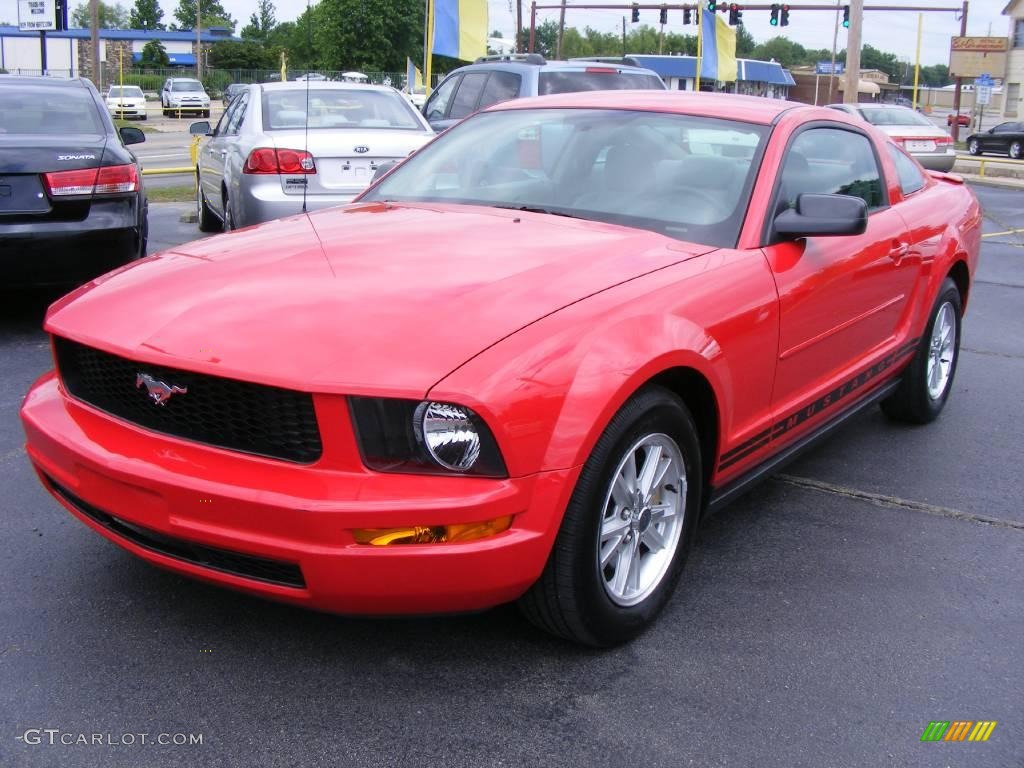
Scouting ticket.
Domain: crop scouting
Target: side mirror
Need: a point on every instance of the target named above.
(131, 135)
(822, 216)
(202, 128)
(382, 169)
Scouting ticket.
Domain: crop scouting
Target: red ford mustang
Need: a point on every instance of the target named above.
(520, 367)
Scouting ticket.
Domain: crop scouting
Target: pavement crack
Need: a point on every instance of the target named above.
(894, 502)
(991, 354)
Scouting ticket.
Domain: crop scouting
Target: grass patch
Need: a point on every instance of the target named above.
(178, 194)
(140, 124)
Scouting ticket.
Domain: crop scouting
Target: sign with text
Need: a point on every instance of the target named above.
(973, 56)
(36, 15)
(825, 68)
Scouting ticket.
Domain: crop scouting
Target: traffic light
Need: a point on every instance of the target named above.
(774, 21)
(735, 15)
(712, 6)
(846, 16)
(687, 17)
(663, 17)
(636, 14)
(784, 18)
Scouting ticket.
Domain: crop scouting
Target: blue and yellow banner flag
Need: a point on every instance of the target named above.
(413, 77)
(718, 60)
(460, 28)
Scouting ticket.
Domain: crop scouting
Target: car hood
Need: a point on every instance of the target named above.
(366, 299)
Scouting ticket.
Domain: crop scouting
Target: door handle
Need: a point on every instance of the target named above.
(898, 250)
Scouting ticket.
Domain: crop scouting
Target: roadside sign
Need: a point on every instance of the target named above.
(825, 68)
(970, 56)
(37, 15)
(982, 95)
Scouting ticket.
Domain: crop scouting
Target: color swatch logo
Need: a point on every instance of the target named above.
(958, 730)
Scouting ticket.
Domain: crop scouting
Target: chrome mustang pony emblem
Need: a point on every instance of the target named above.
(159, 392)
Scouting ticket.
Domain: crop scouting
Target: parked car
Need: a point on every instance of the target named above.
(231, 91)
(521, 366)
(126, 101)
(184, 94)
(493, 79)
(313, 77)
(959, 119)
(931, 146)
(72, 204)
(261, 162)
(1004, 139)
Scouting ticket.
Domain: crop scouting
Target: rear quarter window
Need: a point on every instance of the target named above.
(571, 81)
(910, 177)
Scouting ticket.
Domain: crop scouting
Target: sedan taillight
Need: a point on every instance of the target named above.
(276, 161)
(107, 180)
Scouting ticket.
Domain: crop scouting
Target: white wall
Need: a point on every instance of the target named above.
(22, 53)
(177, 46)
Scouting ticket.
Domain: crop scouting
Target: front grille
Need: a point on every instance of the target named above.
(235, 563)
(242, 416)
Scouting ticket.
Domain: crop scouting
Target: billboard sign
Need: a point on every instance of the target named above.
(974, 56)
(37, 15)
(825, 68)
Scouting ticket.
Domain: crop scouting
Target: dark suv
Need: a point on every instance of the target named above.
(491, 79)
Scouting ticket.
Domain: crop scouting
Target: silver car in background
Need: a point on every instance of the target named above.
(931, 146)
(265, 154)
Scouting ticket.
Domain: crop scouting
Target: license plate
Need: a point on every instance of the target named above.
(920, 146)
(22, 194)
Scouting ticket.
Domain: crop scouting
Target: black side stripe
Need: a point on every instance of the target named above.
(828, 400)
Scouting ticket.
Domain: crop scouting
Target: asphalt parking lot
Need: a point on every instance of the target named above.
(824, 620)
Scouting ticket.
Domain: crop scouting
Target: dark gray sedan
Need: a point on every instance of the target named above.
(1004, 139)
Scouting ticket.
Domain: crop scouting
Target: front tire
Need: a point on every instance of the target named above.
(627, 529)
(973, 147)
(1015, 150)
(928, 379)
(206, 219)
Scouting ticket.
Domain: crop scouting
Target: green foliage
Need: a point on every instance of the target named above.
(745, 44)
(214, 15)
(781, 49)
(144, 81)
(111, 16)
(246, 54)
(260, 23)
(591, 42)
(154, 55)
(374, 35)
(146, 14)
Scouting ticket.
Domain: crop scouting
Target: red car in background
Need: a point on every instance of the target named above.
(958, 119)
(520, 367)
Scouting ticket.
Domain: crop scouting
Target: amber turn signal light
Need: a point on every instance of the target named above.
(436, 534)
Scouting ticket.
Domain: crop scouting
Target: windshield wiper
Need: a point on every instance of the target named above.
(537, 209)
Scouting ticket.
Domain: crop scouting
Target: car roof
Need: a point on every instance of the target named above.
(748, 109)
(324, 85)
(525, 65)
(38, 80)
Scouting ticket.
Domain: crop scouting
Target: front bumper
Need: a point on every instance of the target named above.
(189, 107)
(241, 506)
(127, 111)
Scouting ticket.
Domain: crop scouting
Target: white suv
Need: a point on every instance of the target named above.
(184, 94)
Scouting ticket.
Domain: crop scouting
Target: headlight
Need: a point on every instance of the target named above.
(424, 437)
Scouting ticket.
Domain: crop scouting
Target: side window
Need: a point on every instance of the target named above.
(911, 178)
(437, 104)
(468, 95)
(224, 123)
(235, 121)
(501, 86)
(832, 161)
(1004, 128)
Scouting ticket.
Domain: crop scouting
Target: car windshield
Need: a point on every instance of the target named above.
(128, 91)
(682, 176)
(890, 116)
(595, 79)
(52, 111)
(337, 108)
(187, 85)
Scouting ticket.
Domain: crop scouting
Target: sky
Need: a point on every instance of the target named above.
(889, 31)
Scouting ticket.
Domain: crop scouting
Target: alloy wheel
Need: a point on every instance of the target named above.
(941, 351)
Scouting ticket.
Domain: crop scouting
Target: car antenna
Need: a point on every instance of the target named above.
(309, 47)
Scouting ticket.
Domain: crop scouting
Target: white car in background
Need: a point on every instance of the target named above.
(265, 156)
(126, 101)
(184, 94)
(931, 146)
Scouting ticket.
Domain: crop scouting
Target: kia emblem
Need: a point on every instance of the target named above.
(362, 149)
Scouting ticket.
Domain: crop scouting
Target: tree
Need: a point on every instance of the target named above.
(260, 23)
(154, 55)
(245, 54)
(370, 35)
(146, 14)
(782, 49)
(214, 15)
(112, 16)
(745, 44)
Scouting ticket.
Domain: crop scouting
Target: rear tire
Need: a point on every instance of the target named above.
(645, 532)
(1015, 150)
(206, 113)
(928, 380)
(973, 147)
(206, 219)
(143, 244)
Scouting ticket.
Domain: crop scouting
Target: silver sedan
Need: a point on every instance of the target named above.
(931, 146)
(278, 145)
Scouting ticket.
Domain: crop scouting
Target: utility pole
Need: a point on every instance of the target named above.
(623, 36)
(94, 33)
(519, 26)
(832, 72)
(853, 52)
(959, 80)
(199, 40)
(561, 31)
